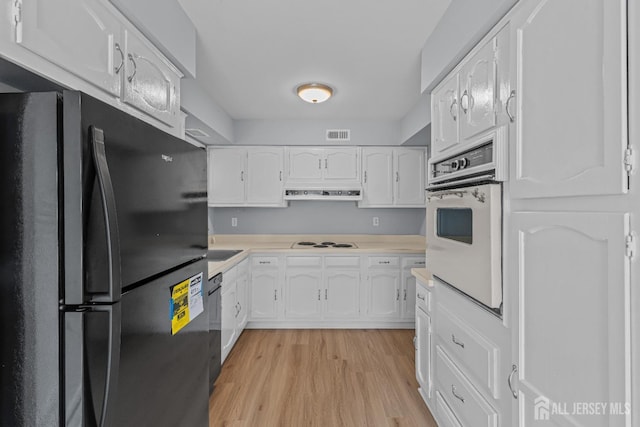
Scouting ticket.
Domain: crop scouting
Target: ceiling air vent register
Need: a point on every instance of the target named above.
(338, 134)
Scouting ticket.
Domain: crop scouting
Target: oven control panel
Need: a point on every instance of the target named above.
(478, 156)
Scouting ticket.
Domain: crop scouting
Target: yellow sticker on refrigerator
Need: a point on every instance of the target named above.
(186, 302)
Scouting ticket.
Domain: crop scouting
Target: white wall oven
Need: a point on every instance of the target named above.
(464, 220)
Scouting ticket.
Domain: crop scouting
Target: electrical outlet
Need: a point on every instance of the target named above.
(234, 222)
(376, 221)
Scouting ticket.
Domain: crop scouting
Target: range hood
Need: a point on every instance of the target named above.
(348, 194)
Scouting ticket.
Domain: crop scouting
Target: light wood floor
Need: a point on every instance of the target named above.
(326, 378)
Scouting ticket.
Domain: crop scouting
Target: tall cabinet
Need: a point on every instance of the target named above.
(555, 74)
(570, 233)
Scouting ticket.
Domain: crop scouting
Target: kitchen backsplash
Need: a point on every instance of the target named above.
(317, 217)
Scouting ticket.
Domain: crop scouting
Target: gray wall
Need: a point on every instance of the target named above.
(317, 217)
(312, 132)
(417, 118)
(463, 24)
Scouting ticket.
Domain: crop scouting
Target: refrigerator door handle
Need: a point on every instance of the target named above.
(77, 394)
(109, 211)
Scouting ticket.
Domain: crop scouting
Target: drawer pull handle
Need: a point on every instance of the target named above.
(510, 381)
(455, 394)
(456, 342)
(264, 262)
(422, 297)
(385, 262)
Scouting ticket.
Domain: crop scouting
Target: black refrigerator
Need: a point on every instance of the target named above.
(103, 299)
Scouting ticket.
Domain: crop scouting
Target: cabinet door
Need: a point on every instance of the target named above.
(305, 164)
(408, 295)
(384, 295)
(342, 294)
(227, 176)
(409, 177)
(77, 35)
(571, 98)
(377, 169)
(265, 168)
(477, 87)
(151, 84)
(242, 301)
(229, 316)
(341, 164)
(303, 294)
(265, 294)
(571, 321)
(423, 351)
(445, 113)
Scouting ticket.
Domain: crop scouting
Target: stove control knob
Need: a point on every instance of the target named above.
(306, 192)
(339, 193)
(455, 165)
(464, 162)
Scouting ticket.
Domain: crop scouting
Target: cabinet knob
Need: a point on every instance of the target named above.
(135, 68)
(508, 104)
(456, 342)
(510, 381)
(455, 393)
(119, 67)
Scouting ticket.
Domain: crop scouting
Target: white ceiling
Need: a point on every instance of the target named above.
(252, 54)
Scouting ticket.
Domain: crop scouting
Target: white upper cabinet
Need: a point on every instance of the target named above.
(571, 321)
(377, 173)
(477, 97)
(578, 146)
(393, 177)
(323, 165)
(89, 45)
(151, 83)
(80, 36)
(247, 176)
(265, 176)
(305, 164)
(445, 113)
(409, 177)
(226, 169)
(341, 164)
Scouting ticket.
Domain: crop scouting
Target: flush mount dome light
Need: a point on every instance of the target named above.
(314, 93)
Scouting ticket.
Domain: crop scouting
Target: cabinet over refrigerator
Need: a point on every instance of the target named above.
(103, 237)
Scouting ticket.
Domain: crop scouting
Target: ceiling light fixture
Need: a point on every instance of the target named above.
(314, 93)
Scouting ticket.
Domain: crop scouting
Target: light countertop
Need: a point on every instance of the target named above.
(282, 243)
(423, 275)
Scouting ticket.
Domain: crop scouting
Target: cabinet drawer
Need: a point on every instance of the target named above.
(475, 355)
(342, 261)
(383, 261)
(304, 261)
(445, 416)
(465, 402)
(264, 261)
(423, 297)
(413, 262)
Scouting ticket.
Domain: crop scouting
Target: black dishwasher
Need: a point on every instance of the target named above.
(215, 329)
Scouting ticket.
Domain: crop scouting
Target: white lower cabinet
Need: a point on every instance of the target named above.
(229, 300)
(338, 290)
(322, 288)
(234, 305)
(303, 294)
(383, 288)
(423, 352)
(266, 292)
(342, 294)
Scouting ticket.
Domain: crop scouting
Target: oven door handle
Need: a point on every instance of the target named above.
(442, 194)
